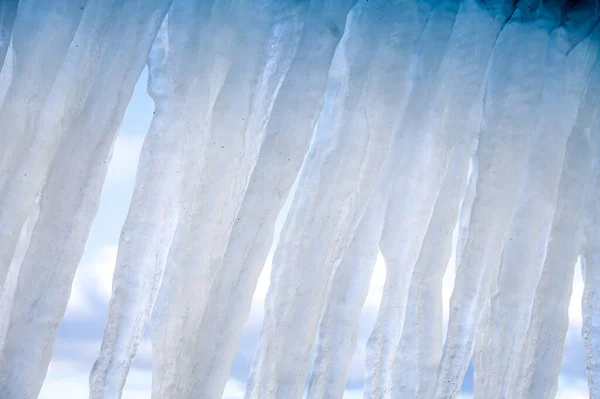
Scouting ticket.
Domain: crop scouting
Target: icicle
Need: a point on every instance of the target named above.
(239, 86)
(541, 352)
(295, 110)
(6, 73)
(412, 196)
(333, 192)
(525, 246)
(473, 35)
(7, 294)
(336, 341)
(513, 91)
(270, 37)
(38, 54)
(339, 325)
(8, 11)
(24, 153)
(591, 295)
(70, 197)
(421, 345)
(590, 269)
(182, 51)
(591, 298)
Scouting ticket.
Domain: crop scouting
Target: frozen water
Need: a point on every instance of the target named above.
(399, 122)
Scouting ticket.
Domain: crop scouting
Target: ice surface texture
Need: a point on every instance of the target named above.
(389, 124)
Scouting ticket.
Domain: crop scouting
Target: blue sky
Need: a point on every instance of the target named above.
(80, 332)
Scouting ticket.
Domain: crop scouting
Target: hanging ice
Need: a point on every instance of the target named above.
(401, 122)
(332, 194)
(8, 11)
(33, 133)
(278, 163)
(511, 97)
(411, 182)
(260, 59)
(349, 286)
(141, 260)
(73, 182)
(525, 247)
(540, 354)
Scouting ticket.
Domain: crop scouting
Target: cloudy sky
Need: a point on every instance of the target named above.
(80, 333)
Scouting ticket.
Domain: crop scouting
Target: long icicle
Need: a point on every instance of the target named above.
(474, 33)
(339, 325)
(591, 295)
(8, 12)
(525, 246)
(6, 73)
(36, 51)
(590, 331)
(413, 173)
(332, 195)
(26, 152)
(242, 106)
(420, 346)
(512, 94)
(295, 110)
(182, 50)
(70, 197)
(8, 291)
(536, 375)
(385, 169)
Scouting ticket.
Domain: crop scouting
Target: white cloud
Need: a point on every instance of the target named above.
(64, 380)
(262, 286)
(234, 390)
(447, 288)
(354, 394)
(376, 284)
(575, 318)
(92, 280)
(572, 389)
(67, 380)
(94, 274)
(123, 164)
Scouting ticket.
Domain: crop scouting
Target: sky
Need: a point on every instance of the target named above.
(80, 332)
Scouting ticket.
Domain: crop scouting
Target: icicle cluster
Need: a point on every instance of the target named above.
(399, 122)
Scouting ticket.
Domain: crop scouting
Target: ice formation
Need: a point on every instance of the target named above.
(400, 123)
